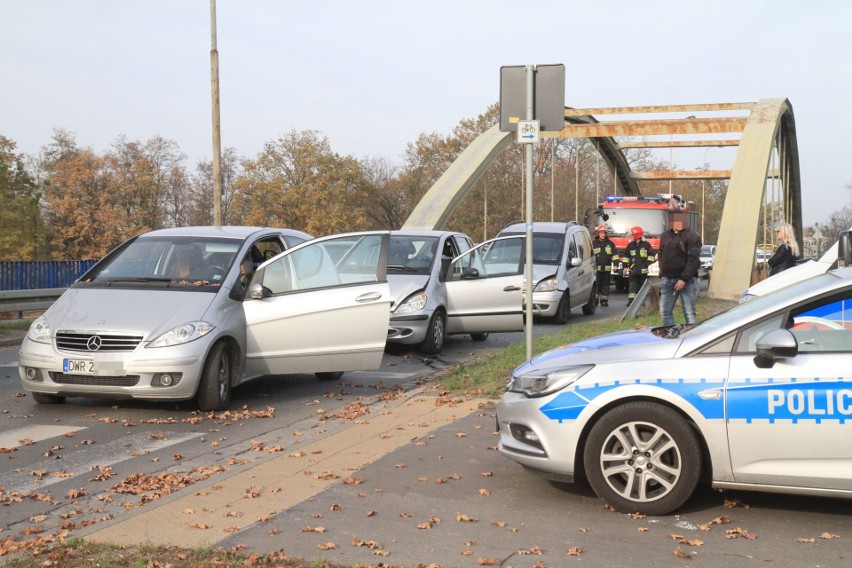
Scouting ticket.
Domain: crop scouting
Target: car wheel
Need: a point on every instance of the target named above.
(42, 398)
(479, 336)
(435, 334)
(592, 304)
(643, 457)
(329, 376)
(563, 310)
(214, 389)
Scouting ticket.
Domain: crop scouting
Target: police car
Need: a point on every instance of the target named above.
(756, 398)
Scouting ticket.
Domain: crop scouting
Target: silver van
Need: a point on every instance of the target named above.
(563, 268)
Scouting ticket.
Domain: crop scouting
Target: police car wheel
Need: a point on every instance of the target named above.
(643, 457)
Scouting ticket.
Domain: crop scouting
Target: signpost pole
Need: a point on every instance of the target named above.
(528, 156)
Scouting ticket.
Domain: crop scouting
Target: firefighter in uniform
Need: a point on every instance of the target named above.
(604, 250)
(640, 255)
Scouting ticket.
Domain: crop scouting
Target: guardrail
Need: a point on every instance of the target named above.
(28, 300)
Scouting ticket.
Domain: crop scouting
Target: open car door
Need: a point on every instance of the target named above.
(484, 288)
(322, 306)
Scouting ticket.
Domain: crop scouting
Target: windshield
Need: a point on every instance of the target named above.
(748, 311)
(168, 262)
(706, 250)
(411, 254)
(547, 247)
(652, 221)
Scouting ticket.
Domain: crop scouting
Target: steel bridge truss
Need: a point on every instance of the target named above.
(765, 169)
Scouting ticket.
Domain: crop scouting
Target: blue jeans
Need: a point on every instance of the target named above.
(687, 300)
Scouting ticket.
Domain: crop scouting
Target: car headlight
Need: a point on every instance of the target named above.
(413, 303)
(183, 334)
(538, 383)
(546, 285)
(39, 331)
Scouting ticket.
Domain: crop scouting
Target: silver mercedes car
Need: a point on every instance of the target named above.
(756, 398)
(191, 312)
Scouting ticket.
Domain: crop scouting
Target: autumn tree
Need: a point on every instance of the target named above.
(22, 233)
(298, 182)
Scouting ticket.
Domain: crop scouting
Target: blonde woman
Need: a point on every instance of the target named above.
(788, 249)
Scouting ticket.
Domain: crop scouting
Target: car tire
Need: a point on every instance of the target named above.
(214, 389)
(592, 304)
(43, 398)
(329, 375)
(479, 336)
(563, 309)
(629, 479)
(435, 334)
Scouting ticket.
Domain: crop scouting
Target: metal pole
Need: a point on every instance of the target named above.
(485, 211)
(217, 136)
(577, 183)
(552, 174)
(528, 155)
(598, 177)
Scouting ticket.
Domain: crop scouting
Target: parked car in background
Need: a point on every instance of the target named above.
(191, 312)
(707, 256)
(755, 398)
(563, 268)
(431, 294)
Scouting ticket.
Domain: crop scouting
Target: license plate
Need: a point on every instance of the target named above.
(78, 366)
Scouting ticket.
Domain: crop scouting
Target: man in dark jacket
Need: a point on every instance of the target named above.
(604, 250)
(679, 263)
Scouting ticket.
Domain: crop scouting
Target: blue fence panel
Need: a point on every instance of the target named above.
(32, 275)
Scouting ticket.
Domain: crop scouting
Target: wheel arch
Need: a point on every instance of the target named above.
(235, 357)
(580, 466)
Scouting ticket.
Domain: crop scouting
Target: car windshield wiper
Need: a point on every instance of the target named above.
(403, 268)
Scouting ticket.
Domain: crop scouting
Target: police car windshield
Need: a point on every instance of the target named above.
(764, 305)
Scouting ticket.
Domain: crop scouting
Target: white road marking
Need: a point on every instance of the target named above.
(11, 438)
(81, 462)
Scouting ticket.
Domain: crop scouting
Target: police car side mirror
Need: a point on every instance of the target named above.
(778, 344)
(575, 262)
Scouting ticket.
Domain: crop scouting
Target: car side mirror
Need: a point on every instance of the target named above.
(470, 274)
(575, 262)
(255, 291)
(778, 344)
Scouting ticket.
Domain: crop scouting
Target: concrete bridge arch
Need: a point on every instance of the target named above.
(767, 159)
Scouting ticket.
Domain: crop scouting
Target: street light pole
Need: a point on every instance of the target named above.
(217, 137)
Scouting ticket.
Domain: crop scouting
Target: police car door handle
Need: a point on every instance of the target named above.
(368, 297)
(712, 394)
(511, 288)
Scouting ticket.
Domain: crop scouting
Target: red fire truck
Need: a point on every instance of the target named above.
(651, 212)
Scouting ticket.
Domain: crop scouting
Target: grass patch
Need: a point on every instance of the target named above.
(76, 553)
(488, 375)
(15, 324)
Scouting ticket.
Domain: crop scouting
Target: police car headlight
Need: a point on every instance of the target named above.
(39, 331)
(413, 303)
(538, 383)
(546, 285)
(183, 334)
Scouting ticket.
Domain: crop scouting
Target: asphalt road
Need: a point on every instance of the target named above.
(377, 468)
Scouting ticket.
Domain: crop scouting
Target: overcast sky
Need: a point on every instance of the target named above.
(372, 75)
